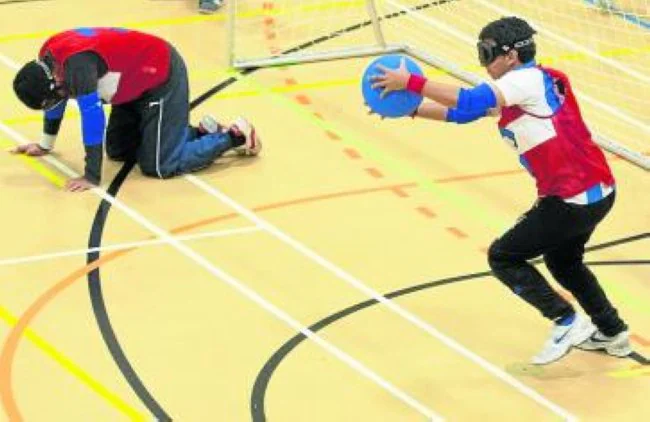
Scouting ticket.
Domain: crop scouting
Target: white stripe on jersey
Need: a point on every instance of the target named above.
(530, 131)
(107, 85)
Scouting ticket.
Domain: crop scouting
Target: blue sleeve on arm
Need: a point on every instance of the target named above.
(462, 117)
(477, 99)
(57, 112)
(92, 118)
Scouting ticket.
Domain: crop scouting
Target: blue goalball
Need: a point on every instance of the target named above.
(395, 103)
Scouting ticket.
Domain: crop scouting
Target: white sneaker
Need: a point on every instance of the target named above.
(253, 143)
(618, 345)
(208, 124)
(563, 337)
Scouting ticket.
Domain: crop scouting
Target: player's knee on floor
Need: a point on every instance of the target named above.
(120, 153)
(120, 157)
(157, 172)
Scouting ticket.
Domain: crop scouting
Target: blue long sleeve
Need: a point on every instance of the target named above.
(53, 118)
(93, 120)
(462, 117)
(93, 123)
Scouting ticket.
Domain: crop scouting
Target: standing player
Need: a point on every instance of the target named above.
(541, 120)
(145, 80)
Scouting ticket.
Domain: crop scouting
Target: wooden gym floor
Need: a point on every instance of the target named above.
(246, 290)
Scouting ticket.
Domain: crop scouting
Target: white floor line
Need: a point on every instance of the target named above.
(125, 245)
(238, 285)
(8, 62)
(407, 315)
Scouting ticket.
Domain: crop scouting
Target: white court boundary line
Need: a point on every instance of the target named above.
(402, 312)
(126, 245)
(232, 281)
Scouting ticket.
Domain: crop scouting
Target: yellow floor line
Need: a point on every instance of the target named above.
(194, 18)
(67, 364)
(59, 181)
(35, 164)
(634, 372)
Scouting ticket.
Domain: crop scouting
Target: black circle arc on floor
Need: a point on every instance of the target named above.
(94, 279)
(258, 394)
(99, 222)
(10, 2)
(99, 305)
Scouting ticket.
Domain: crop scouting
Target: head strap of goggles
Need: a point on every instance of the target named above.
(488, 50)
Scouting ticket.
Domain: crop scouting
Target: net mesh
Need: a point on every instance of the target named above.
(603, 45)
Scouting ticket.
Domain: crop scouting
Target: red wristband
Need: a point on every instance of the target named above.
(416, 83)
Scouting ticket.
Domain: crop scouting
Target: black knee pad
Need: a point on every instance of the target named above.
(155, 174)
(121, 154)
(496, 259)
(506, 269)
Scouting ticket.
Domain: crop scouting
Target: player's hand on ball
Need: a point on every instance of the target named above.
(384, 75)
(33, 150)
(391, 79)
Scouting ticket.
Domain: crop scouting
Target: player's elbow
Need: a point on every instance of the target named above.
(463, 117)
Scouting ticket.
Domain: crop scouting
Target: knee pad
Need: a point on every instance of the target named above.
(158, 175)
(506, 269)
(496, 259)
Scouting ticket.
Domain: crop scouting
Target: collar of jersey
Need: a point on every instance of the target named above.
(526, 65)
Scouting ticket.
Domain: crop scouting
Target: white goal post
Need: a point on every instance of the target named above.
(602, 45)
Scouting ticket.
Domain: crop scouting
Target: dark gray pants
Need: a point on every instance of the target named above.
(155, 129)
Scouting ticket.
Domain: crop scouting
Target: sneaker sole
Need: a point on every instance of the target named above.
(612, 351)
(250, 151)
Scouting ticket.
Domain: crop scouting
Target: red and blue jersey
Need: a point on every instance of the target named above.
(137, 62)
(543, 123)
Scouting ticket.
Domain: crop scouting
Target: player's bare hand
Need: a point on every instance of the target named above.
(32, 149)
(78, 185)
(391, 79)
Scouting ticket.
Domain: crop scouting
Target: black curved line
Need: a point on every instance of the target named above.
(6, 2)
(264, 376)
(331, 35)
(639, 358)
(101, 215)
(621, 262)
(99, 305)
(617, 242)
(94, 280)
(220, 86)
(258, 395)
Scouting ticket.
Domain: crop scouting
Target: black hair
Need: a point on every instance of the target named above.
(508, 31)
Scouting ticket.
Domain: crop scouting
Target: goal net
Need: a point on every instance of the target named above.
(603, 45)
